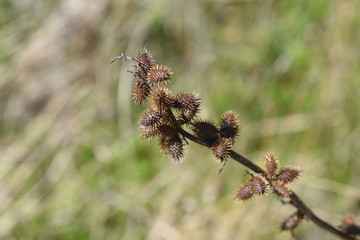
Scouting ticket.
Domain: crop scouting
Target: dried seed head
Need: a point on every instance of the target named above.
(188, 105)
(161, 99)
(141, 92)
(159, 75)
(144, 62)
(258, 184)
(173, 147)
(205, 130)
(292, 221)
(187, 101)
(176, 150)
(229, 125)
(222, 149)
(151, 117)
(288, 175)
(349, 225)
(280, 189)
(244, 192)
(271, 165)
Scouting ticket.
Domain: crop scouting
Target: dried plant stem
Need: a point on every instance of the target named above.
(160, 121)
(295, 199)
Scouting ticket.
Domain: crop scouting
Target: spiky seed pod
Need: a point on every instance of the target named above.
(244, 192)
(292, 221)
(141, 92)
(259, 184)
(280, 189)
(222, 149)
(349, 225)
(188, 104)
(176, 149)
(188, 101)
(205, 130)
(229, 125)
(288, 175)
(150, 117)
(271, 165)
(159, 75)
(173, 147)
(161, 99)
(144, 62)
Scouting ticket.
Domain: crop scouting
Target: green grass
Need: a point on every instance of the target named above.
(74, 167)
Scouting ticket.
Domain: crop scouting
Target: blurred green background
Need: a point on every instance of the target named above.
(73, 165)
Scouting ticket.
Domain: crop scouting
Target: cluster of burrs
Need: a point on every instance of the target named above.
(274, 178)
(168, 112)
